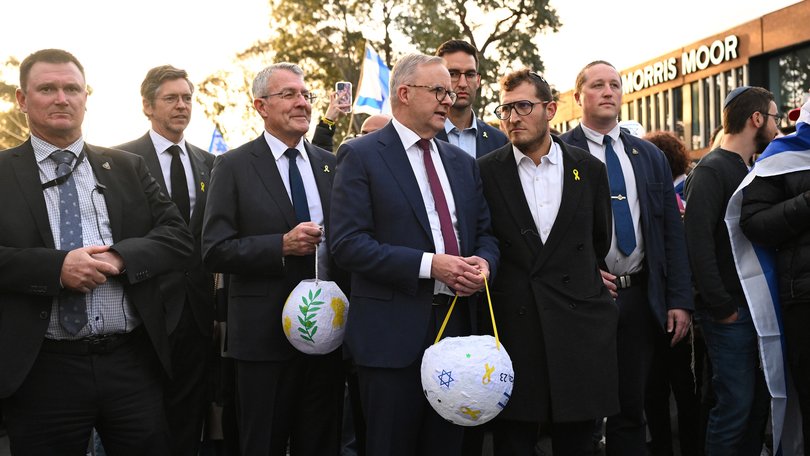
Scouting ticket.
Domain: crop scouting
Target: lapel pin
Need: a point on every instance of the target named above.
(485, 135)
(105, 165)
(635, 152)
(202, 187)
(576, 175)
(326, 168)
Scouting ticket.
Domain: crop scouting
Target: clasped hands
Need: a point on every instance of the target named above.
(465, 275)
(86, 268)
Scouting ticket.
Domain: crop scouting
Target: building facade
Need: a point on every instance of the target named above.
(683, 91)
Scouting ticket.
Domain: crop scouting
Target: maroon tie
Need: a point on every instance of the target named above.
(450, 244)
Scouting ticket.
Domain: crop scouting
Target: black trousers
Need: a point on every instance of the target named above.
(65, 396)
(299, 401)
(796, 319)
(625, 432)
(186, 397)
(518, 438)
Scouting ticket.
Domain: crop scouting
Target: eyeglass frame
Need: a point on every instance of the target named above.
(309, 96)
(512, 107)
(778, 117)
(173, 99)
(468, 75)
(436, 89)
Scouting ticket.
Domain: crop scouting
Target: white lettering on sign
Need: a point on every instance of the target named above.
(715, 53)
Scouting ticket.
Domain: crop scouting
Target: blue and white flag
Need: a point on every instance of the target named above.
(217, 146)
(373, 91)
(756, 267)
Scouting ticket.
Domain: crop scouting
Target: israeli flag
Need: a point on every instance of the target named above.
(217, 146)
(373, 92)
(756, 266)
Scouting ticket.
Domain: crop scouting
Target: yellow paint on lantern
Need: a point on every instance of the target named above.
(473, 414)
(488, 370)
(287, 326)
(339, 307)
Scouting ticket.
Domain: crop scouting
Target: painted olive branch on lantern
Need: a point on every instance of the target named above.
(309, 311)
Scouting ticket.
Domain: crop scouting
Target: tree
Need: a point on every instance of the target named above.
(327, 39)
(503, 31)
(13, 124)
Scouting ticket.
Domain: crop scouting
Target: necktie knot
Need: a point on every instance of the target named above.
(291, 154)
(175, 150)
(607, 140)
(424, 144)
(63, 159)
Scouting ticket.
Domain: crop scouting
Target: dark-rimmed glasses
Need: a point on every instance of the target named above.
(455, 75)
(439, 91)
(288, 95)
(776, 117)
(522, 107)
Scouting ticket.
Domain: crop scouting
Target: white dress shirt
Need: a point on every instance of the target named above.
(310, 187)
(542, 186)
(617, 262)
(165, 157)
(414, 152)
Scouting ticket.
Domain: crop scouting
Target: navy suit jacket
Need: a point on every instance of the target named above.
(669, 282)
(380, 230)
(487, 138)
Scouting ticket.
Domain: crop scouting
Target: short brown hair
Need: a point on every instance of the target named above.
(581, 76)
(157, 76)
(452, 46)
(48, 56)
(516, 78)
(737, 110)
(673, 148)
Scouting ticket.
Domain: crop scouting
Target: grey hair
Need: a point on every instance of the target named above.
(260, 81)
(406, 68)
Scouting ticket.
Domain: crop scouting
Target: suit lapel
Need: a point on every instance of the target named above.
(27, 172)
(201, 175)
(104, 170)
(323, 179)
(508, 181)
(573, 188)
(265, 165)
(640, 171)
(392, 152)
(453, 169)
(148, 152)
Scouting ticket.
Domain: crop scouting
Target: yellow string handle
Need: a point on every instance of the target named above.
(491, 314)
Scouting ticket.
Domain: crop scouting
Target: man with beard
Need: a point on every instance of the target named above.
(737, 421)
(462, 128)
(550, 205)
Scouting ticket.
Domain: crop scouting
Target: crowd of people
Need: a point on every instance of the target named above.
(125, 272)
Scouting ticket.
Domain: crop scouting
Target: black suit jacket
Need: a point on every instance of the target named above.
(554, 315)
(487, 138)
(669, 284)
(148, 232)
(248, 213)
(193, 284)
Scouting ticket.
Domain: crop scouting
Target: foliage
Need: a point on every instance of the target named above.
(13, 124)
(309, 326)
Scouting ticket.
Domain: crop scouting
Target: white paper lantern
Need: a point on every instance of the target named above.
(314, 316)
(467, 380)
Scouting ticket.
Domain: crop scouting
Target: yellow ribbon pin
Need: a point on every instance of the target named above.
(326, 168)
(202, 187)
(485, 135)
(576, 175)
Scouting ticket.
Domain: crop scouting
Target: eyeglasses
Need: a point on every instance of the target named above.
(776, 117)
(522, 107)
(288, 95)
(455, 75)
(439, 91)
(173, 99)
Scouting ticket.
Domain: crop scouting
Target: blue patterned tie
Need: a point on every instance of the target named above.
(72, 304)
(622, 220)
(297, 192)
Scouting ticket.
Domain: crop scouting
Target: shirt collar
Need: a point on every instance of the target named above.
(598, 138)
(450, 126)
(408, 136)
(278, 148)
(43, 149)
(554, 155)
(161, 143)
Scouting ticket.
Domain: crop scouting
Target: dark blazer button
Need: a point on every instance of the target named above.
(522, 311)
(580, 246)
(44, 315)
(566, 278)
(572, 305)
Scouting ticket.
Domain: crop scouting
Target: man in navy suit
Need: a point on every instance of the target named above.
(647, 260)
(462, 127)
(410, 222)
(183, 171)
(267, 210)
